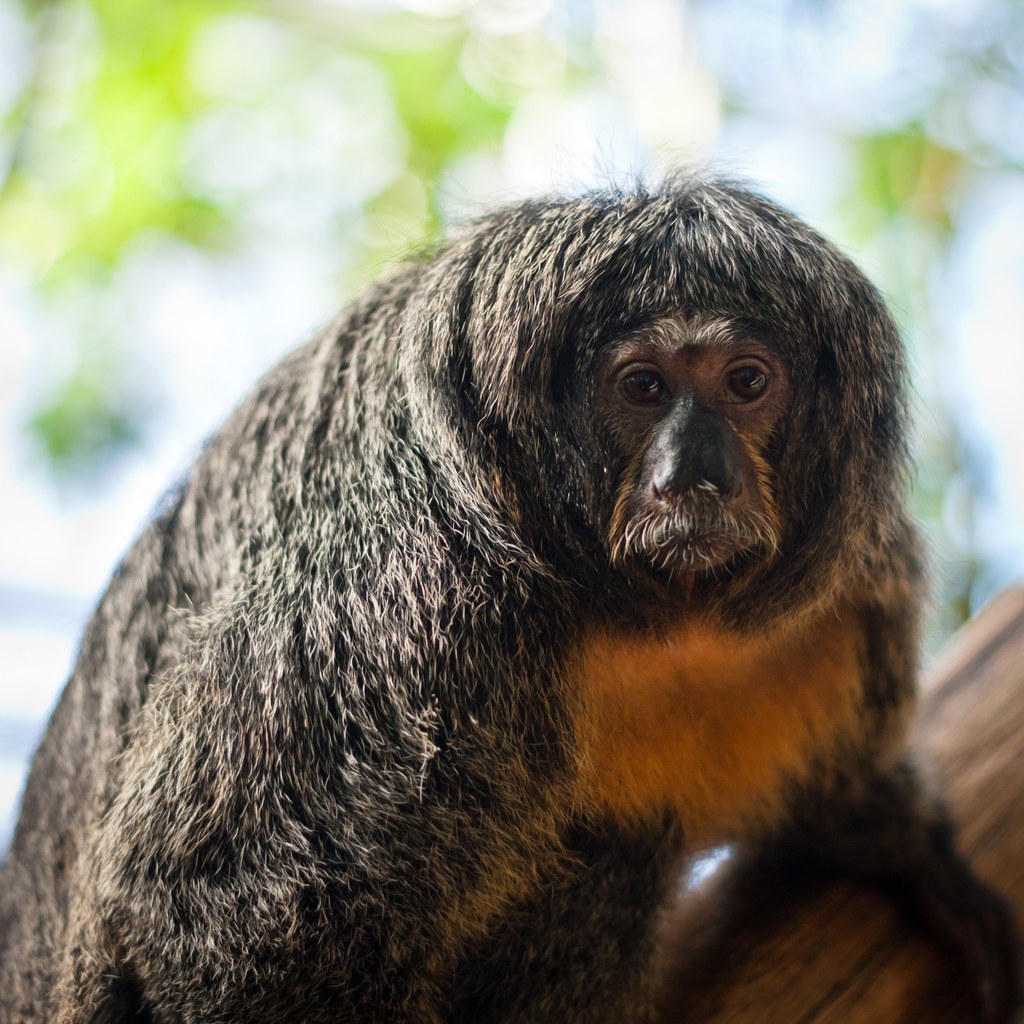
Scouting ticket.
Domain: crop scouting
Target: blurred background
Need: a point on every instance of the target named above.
(187, 190)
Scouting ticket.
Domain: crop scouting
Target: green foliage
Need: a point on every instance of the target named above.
(84, 423)
(907, 172)
(107, 165)
(100, 136)
(442, 113)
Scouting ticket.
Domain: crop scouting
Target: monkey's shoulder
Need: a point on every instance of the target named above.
(713, 723)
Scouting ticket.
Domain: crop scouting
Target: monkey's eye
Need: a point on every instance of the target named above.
(747, 383)
(644, 387)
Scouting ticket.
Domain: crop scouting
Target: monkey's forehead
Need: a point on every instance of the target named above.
(604, 263)
(686, 327)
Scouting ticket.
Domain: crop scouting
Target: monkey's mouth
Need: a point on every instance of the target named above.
(686, 537)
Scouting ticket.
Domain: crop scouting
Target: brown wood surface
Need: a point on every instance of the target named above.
(812, 953)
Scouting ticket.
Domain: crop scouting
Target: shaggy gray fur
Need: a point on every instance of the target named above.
(316, 761)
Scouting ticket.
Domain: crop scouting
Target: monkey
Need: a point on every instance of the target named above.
(574, 547)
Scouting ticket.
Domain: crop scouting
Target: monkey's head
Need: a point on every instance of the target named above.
(682, 399)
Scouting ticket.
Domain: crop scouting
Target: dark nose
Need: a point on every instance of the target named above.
(695, 447)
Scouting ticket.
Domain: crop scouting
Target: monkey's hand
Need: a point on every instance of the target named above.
(886, 829)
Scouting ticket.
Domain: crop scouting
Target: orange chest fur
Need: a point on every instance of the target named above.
(713, 724)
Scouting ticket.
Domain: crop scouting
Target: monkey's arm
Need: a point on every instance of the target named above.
(839, 951)
(871, 813)
(585, 945)
(885, 827)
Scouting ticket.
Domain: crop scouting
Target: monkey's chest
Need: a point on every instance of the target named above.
(714, 725)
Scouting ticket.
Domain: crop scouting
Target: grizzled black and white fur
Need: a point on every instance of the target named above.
(574, 547)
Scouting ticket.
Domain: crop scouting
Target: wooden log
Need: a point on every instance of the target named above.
(751, 951)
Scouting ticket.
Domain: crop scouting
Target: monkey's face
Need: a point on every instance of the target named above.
(692, 408)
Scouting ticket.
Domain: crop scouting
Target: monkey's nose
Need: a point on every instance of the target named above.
(717, 470)
(700, 463)
(720, 479)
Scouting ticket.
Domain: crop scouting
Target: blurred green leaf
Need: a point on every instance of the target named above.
(84, 424)
(907, 171)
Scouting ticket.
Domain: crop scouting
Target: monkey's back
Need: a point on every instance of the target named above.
(324, 753)
(308, 564)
